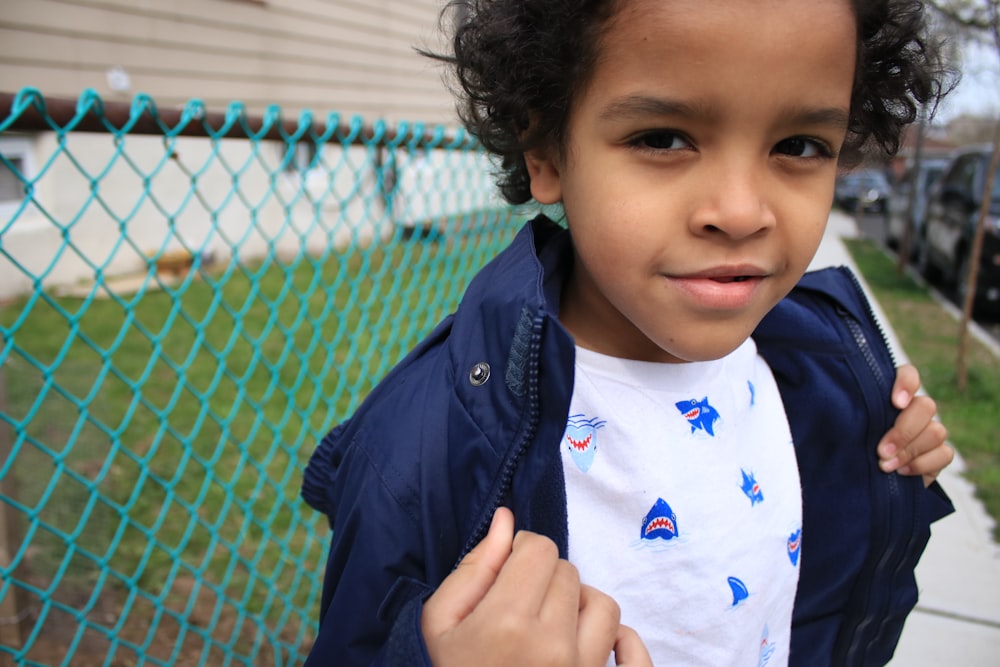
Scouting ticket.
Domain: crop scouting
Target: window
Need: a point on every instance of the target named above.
(303, 157)
(966, 174)
(16, 169)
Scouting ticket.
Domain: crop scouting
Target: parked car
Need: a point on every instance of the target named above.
(921, 178)
(866, 190)
(952, 214)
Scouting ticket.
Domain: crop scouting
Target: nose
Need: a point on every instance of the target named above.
(734, 203)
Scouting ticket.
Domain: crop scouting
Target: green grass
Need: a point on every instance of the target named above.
(930, 337)
(158, 439)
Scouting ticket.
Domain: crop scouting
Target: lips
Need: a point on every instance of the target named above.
(723, 287)
(727, 273)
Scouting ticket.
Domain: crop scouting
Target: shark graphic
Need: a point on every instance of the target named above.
(699, 414)
(580, 439)
(739, 589)
(659, 523)
(751, 488)
(795, 546)
(766, 648)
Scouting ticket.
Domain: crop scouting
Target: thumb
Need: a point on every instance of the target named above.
(465, 588)
(906, 385)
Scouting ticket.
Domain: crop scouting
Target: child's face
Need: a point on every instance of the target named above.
(699, 170)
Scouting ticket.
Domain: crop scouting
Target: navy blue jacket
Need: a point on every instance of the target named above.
(410, 482)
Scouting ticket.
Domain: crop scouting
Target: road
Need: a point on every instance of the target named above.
(873, 226)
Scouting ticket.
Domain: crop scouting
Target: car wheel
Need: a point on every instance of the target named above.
(890, 238)
(916, 248)
(924, 266)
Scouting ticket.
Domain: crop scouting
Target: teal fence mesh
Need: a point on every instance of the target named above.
(190, 300)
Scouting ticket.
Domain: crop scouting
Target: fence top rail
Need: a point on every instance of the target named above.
(29, 110)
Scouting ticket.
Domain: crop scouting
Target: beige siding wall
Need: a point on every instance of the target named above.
(353, 56)
(350, 56)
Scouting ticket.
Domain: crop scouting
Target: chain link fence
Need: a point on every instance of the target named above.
(188, 302)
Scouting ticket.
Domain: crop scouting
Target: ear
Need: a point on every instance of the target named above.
(546, 186)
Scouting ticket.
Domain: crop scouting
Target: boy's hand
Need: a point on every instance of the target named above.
(629, 649)
(915, 445)
(513, 601)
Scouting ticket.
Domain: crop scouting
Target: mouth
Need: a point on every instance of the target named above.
(722, 287)
(660, 523)
(728, 273)
(732, 279)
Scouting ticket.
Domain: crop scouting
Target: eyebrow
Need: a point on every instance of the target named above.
(833, 116)
(639, 106)
(644, 106)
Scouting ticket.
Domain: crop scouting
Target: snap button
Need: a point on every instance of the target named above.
(479, 374)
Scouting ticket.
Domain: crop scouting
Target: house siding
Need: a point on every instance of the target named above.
(352, 57)
(345, 56)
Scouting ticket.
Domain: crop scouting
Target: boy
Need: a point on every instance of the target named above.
(602, 382)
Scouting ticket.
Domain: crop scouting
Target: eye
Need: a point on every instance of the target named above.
(803, 147)
(661, 140)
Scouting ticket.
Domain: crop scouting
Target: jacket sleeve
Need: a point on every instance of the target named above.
(373, 590)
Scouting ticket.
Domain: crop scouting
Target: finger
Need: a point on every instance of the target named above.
(931, 438)
(597, 626)
(523, 582)
(629, 649)
(465, 588)
(912, 434)
(561, 604)
(559, 613)
(931, 464)
(906, 385)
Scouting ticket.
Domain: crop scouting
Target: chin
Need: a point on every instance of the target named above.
(701, 345)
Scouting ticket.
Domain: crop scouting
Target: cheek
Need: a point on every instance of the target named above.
(804, 241)
(807, 212)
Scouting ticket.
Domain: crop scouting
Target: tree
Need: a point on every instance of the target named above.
(980, 19)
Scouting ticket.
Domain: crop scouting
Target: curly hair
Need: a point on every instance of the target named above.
(520, 63)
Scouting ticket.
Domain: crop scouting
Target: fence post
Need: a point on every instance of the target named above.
(11, 611)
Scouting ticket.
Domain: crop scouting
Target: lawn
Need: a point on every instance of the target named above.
(929, 334)
(158, 441)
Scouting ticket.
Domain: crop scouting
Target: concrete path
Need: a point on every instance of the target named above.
(957, 619)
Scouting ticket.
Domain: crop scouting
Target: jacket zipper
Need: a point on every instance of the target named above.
(859, 335)
(891, 559)
(528, 435)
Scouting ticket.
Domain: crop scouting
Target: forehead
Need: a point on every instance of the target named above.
(760, 49)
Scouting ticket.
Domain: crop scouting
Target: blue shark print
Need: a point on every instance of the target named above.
(753, 393)
(660, 522)
(751, 488)
(581, 440)
(795, 546)
(699, 414)
(740, 592)
(766, 648)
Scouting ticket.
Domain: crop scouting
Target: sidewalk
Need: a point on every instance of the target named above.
(957, 619)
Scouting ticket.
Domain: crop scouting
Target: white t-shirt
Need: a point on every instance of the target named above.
(685, 505)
